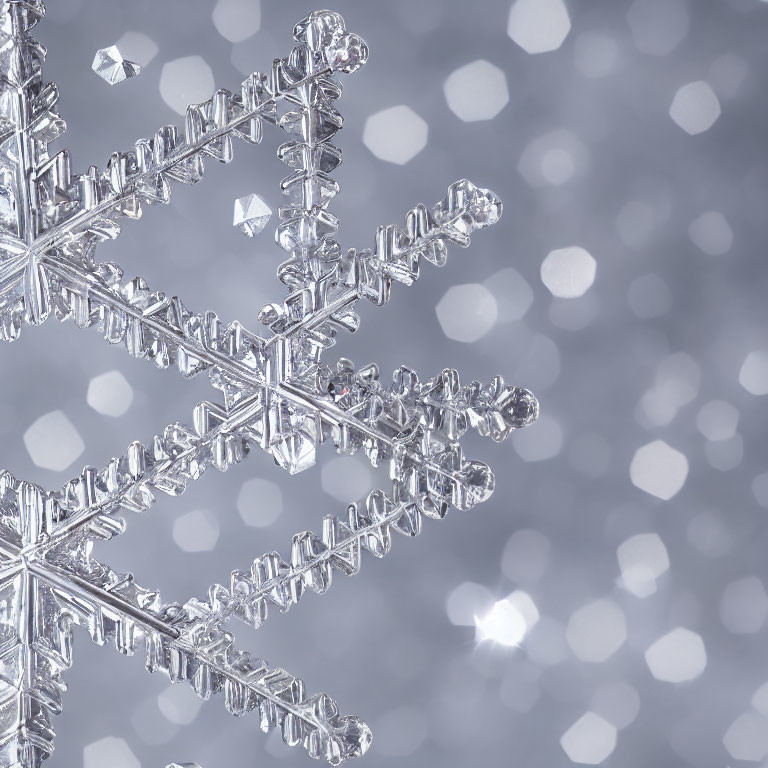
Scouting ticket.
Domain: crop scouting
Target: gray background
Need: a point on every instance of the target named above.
(382, 643)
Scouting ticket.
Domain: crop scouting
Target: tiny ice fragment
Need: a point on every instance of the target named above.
(251, 214)
(109, 65)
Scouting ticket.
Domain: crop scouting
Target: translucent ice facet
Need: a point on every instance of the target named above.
(251, 214)
(109, 65)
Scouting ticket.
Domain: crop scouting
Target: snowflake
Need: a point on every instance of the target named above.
(275, 392)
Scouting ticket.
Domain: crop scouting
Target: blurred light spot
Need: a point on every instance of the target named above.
(545, 644)
(676, 384)
(711, 233)
(346, 478)
(110, 394)
(237, 20)
(538, 26)
(747, 737)
(109, 751)
(695, 107)
(512, 293)
(137, 47)
(150, 727)
(196, 531)
(594, 54)
(659, 469)
(649, 297)
(753, 375)
(717, 420)
(526, 556)
(760, 489)
(400, 732)
(635, 223)
(574, 314)
(552, 158)
(618, 703)
(708, 533)
(520, 687)
(184, 81)
(727, 74)
(590, 454)
(467, 601)
(658, 26)
(507, 622)
(179, 704)
(53, 442)
(476, 91)
(260, 502)
(539, 442)
(596, 630)
(568, 272)
(744, 606)
(760, 699)
(590, 740)
(642, 559)
(467, 312)
(396, 134)
(677, 656)
(725, 454)
(539, 366)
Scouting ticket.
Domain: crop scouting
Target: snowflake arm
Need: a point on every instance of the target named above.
(179, 642)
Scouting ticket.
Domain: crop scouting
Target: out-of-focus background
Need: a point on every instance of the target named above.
(607, 605)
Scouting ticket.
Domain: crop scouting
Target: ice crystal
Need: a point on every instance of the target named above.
(276, 393)
(109, 65)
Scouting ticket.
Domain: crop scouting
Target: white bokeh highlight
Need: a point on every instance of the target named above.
(658, 26)
(695, 107)
(184, 81)
(512, 293)
(541, 441)
(568, 272)
(659, 469)
(237, 20)
(753, 375)
(467, 601)
(717, 420)
(596, 630)
(677, 657)
(110, 751)
(744, 606)
(260, 502)
(196, 531)
(538, 26)
(53, 442)
(396, 134)
(179, 704)
(590, 740)
(467, 312)
(711, 233)
(525, 558)
(110, 394)
(476, 91)
(138, 47)
(642, 559)
(747, 737)
(346, 478)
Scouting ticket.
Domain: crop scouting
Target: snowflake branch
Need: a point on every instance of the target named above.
(325, 303)
(112, 606)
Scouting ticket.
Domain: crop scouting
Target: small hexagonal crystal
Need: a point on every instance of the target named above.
(251, 214)
(110, 66)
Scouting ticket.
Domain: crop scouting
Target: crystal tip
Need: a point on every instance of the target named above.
(519, 408)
